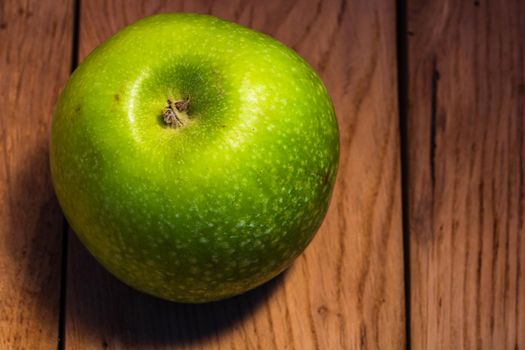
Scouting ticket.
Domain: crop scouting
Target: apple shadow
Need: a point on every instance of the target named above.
(105, 309)
(32, 234)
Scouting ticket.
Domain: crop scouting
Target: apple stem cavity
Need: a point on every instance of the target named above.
(175, 114)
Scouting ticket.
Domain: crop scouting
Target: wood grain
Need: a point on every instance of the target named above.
(347, 290)
(35, 61)
(466, 174)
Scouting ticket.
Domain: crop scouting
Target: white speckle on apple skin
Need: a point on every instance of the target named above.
(218, 206)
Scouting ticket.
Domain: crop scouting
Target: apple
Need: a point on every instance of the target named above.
(193, 157)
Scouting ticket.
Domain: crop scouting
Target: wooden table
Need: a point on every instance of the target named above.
(423, 246)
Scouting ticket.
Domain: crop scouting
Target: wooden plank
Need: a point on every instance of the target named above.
(347, 290)
(467, 174)
(35, 61)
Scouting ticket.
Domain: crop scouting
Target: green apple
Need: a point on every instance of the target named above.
(193, 157)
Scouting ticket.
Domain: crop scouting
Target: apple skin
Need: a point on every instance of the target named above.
(215, 207)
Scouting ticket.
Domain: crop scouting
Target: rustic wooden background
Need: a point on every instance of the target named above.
(423, 246)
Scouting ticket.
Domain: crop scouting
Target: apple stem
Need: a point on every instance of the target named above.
(175, 112)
